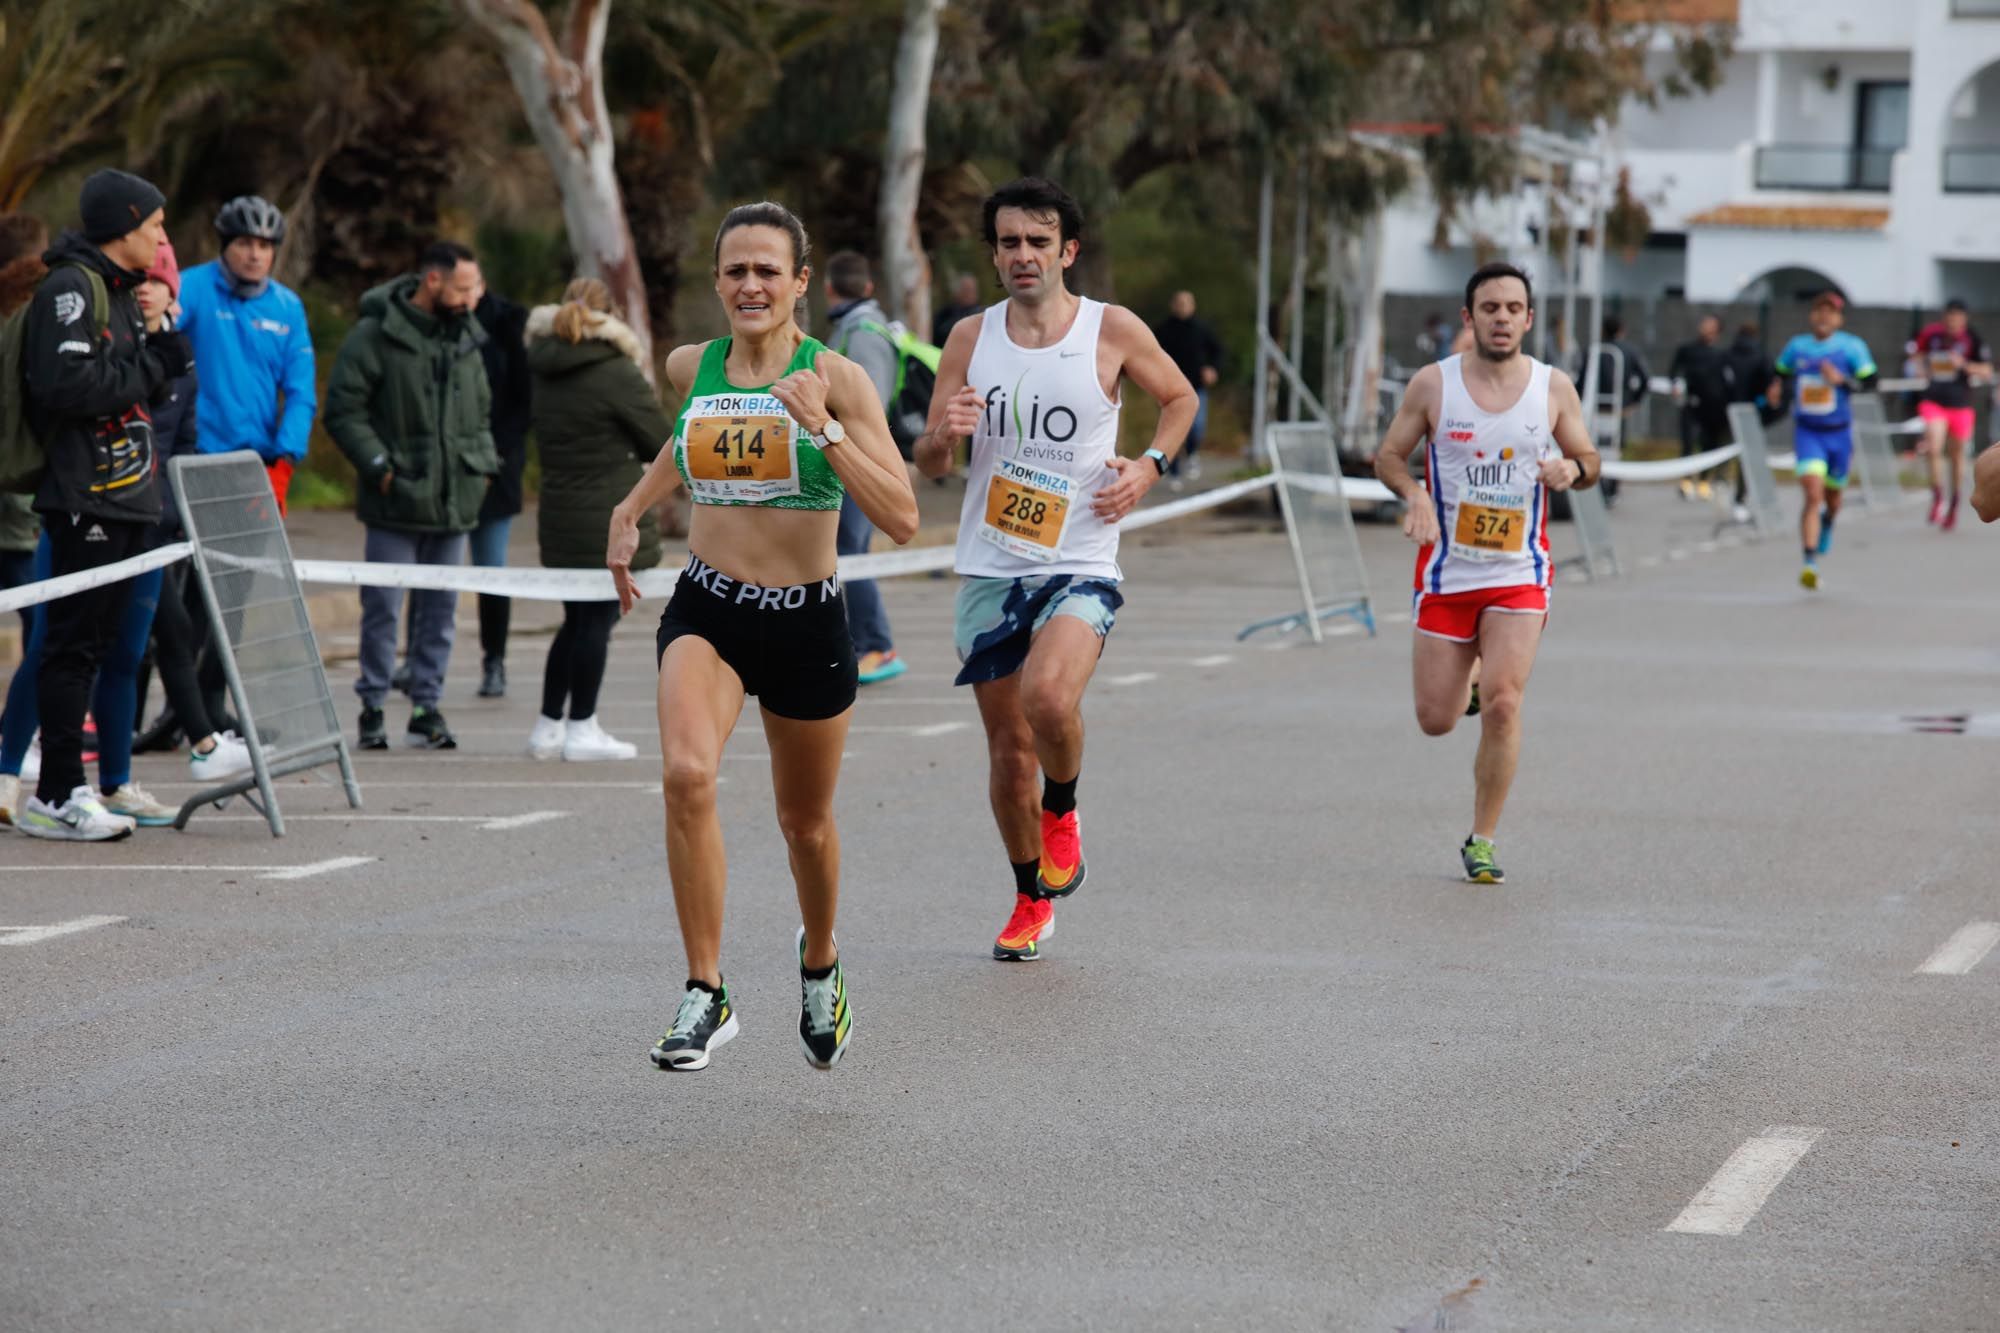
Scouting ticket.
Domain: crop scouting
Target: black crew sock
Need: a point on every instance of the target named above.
(1024, 876)
(1059, 798)
(819, 973)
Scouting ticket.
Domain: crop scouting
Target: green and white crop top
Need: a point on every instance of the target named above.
(737, 446)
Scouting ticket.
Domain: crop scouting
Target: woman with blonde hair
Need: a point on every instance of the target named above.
(774, 429)
(598, 424)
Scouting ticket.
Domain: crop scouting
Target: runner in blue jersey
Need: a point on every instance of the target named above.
(1821, 370)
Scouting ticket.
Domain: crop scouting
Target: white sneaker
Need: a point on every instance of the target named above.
(31, 763)
(10, 798)
(586, 740)
(137, 804)
(82, 818)
(229, 759)
(546, 740)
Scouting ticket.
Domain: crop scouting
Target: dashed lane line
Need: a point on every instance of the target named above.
(36, 934)
(1965, 950)
(1734, 1194)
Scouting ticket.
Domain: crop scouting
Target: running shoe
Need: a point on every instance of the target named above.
(825, 1021)
(229, 759)
(585, 740)
(1061, 871)
(10, 798)
(493, 679)
(1809, 578)
(82, 818)
(428, 731)
(1034, 920)
(1477, 854)
(874, 668)
(137, 804)
(1937, 508)
(1950, 515)
(372, 732)
(545, 739)
(705, 1020)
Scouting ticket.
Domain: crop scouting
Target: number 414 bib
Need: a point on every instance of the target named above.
(1026, 510)
(741, 447)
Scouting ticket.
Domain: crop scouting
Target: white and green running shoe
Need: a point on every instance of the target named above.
(82, 818)
(705, 1020)
(825, 1021)
(1480, 868)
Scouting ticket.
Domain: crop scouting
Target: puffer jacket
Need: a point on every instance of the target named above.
(408, 400)
(598, 425)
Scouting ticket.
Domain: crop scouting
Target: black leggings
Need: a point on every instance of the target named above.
(575, 668)
(175, 645)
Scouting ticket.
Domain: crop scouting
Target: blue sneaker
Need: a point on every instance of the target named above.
(878, 667)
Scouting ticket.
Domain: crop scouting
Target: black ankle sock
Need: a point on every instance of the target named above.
(1024, 876)
(1059, 798)
(819, 973)
(716, 989)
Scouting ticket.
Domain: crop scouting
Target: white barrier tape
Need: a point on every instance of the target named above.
(1669, 469)
(1355, 490)
(555, 585)
(33, 594)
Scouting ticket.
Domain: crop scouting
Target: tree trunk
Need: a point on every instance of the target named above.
(562, 93)
(906, 269)
(1365, 341)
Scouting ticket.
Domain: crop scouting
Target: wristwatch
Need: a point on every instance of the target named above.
(831, 433)
(1159, 460)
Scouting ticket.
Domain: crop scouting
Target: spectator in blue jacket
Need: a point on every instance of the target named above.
(250, 339)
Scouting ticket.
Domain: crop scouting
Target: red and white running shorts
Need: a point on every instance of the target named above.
(1455, 615)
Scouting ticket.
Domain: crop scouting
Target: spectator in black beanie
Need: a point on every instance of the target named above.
(92, 370)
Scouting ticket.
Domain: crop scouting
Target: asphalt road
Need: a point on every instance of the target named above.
(1279, 1068)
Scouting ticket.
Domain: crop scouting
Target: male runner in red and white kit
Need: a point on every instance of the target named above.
(1504, 430)
(1953, 355)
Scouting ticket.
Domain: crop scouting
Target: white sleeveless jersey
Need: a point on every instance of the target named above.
(1038, 455)
(1484, 478)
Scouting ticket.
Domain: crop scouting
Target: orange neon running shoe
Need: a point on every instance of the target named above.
(1034, 920)
(1061, 872)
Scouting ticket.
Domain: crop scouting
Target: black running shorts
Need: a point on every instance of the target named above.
(790, 645)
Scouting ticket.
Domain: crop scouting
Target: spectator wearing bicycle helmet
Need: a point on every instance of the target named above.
(251, 342)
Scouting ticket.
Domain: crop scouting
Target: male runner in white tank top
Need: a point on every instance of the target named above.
(1503, 430)
(1034, 382)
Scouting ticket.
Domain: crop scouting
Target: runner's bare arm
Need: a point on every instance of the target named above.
(1415, 419)
(1578, 466)
(662, 475)
(1147, 365)
(866, 462)
(955, 406)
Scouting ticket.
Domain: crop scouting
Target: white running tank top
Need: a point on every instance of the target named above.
(1038, 455)
(1484, 479)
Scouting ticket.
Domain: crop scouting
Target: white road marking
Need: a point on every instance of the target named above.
(527, 820)
(36, 934)
(928, 729)
(1733, 1195)
(1213, 660)
(1132, 678)
(306, 871)
(1965, 950)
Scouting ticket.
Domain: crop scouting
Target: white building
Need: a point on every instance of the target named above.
(1852, 144)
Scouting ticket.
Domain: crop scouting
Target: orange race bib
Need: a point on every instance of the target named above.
(1490, 529)
(1816, 396)
(1026, 510)
(740, 449)
(1944, 365)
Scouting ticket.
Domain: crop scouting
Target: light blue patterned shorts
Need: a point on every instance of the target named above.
(997, 618)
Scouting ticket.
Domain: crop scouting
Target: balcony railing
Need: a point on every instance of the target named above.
(1972, 170)
(1824, 167)
(1975, 9)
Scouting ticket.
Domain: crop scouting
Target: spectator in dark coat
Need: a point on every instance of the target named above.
(1198, 352)
(506, 355)
(598, 424)
(1704, 382)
